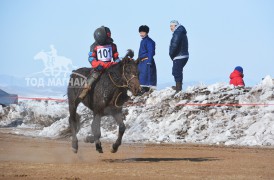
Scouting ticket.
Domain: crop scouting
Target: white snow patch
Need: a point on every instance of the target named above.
(158, 117)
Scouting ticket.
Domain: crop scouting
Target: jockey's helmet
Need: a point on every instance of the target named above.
(100, 35)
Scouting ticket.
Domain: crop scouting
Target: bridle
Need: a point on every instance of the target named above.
(121, 86)
(124, 76)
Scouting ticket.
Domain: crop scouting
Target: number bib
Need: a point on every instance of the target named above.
(104, 53)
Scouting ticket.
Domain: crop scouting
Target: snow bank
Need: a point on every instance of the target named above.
(38, 114)
(163, 116)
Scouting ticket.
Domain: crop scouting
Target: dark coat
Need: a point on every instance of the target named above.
(179, 43)
(147, 67)
(147, 49)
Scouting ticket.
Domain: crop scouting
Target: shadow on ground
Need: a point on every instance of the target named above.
(160, 159)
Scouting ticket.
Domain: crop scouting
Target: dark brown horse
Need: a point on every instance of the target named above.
(106, 97)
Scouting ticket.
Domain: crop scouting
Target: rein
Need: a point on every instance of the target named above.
(121, 86)
(124, 76)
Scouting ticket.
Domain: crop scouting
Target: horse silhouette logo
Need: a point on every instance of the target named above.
(54, 65)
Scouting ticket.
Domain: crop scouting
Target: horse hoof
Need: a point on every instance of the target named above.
(89, 139)
(74, 146)
(100, 150)
(114, 150)
(74, 150)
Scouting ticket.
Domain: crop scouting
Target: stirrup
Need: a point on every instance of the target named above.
(84, 93)
(86, 86)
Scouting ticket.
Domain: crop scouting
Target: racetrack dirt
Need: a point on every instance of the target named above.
(38, 158)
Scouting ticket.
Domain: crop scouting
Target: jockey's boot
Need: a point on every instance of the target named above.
(91, 79)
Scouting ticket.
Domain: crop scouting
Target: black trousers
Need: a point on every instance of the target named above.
(177, 69)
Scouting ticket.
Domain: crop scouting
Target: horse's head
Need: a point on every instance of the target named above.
(130, 73)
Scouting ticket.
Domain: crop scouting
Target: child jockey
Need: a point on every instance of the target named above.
(103, 54)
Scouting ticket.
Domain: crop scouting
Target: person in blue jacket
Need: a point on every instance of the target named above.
(146, 66)
(178, 52)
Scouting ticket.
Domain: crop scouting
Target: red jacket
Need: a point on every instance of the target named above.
(236, 78)
(103, 55)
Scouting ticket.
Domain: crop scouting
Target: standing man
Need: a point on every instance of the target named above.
(147, 67)
(178, 52)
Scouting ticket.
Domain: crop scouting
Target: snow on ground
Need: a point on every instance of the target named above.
(37, 114)
(163, 116)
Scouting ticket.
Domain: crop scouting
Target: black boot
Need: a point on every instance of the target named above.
(91, 79)
(178, 87)
(143, 90)
(173, 87)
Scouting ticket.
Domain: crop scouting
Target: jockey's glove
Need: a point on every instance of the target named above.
(99, 68)
(90, 59)
(117, 60)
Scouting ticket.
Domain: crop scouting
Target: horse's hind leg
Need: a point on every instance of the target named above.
(74, 122)
(96, 130)
(119, 119)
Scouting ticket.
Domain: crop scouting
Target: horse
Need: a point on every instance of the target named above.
(106, 97)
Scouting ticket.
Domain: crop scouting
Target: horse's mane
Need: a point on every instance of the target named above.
(114, 68)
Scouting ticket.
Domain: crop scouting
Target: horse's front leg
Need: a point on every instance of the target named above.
(96, 130)
(119, 119)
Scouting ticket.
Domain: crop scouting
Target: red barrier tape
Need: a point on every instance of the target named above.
(45, 99)
(196, 104)
(186, 104)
